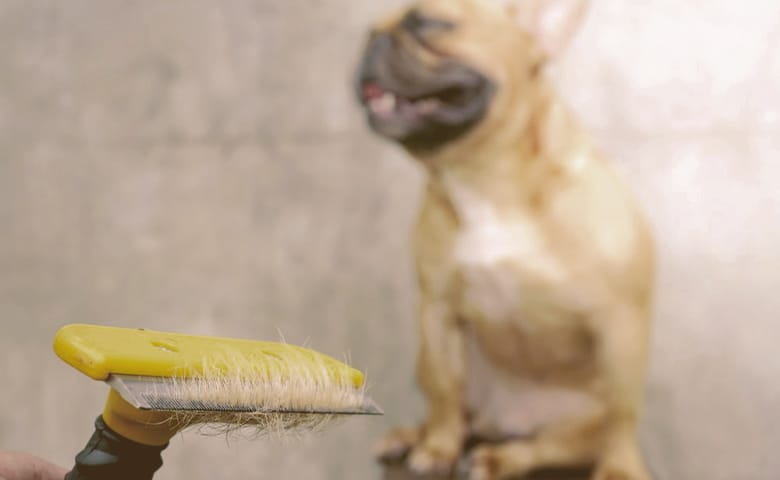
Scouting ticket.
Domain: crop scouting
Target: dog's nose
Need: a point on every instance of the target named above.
(378, 45)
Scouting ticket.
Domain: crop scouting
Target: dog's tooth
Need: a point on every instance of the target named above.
(384, 104)
(427, 106)
(389, 101)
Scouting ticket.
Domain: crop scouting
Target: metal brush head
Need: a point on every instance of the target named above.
(199, 395)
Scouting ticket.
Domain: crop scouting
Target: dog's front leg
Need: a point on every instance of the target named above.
(436, 444)
(623, 345)
(440, 372)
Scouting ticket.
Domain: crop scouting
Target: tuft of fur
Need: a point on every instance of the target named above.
(251, 425)
(289, 390)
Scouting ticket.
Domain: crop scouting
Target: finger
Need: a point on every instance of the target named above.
(22, 466)
(49, 471)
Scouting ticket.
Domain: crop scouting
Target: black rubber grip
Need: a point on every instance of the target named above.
(110, 456)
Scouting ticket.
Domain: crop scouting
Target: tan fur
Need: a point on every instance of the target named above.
(535, 271)
(286, 393)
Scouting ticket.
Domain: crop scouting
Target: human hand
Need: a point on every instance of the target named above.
(21, 466)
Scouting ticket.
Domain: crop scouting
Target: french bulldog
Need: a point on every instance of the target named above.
(534, 263)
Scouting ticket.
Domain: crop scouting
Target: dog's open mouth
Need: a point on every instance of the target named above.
(419, 105)
(425, 117)
(386, 104)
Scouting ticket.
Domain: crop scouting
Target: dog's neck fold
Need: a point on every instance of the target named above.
(509, 166)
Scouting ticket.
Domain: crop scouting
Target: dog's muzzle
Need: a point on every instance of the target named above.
(420, 106)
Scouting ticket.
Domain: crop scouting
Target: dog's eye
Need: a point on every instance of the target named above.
(418, 23)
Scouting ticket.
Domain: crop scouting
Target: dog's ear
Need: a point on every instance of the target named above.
(552, 23)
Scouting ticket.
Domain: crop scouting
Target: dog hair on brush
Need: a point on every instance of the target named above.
(174, 381)
(289, 393)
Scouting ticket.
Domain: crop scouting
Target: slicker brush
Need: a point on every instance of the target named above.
(162, 383)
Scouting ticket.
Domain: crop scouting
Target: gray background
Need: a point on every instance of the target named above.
(200, 167)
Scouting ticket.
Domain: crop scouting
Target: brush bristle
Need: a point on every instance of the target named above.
(269, 394)
(253, 425)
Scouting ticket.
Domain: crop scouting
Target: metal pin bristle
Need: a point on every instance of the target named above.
(155, 393)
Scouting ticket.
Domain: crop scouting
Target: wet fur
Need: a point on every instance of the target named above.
(535, 271)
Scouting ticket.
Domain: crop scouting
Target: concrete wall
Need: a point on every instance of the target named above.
(200, 166)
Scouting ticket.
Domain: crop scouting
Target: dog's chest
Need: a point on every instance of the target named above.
(497, 253)
(509, 272)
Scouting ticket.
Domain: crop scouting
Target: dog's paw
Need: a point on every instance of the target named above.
(623, 462)
(495, 462)
(396, 444)
(622, 468)
(426, 460)
(481, 464)
(619, 474)
(615, 472)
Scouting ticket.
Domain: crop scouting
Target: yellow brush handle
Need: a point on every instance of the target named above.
(99, 351)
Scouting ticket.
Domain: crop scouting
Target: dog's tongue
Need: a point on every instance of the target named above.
(385, 103)
(372, 90)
